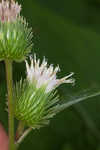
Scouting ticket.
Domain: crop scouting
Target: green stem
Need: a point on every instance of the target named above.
(8, 65)
(20, 130)
(26, 132)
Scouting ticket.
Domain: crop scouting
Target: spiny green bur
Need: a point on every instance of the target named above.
(33, 106)
(15, 40)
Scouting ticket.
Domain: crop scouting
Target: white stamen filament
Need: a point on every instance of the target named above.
(45, 75)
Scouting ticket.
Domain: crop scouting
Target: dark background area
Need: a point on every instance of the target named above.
(67, 33)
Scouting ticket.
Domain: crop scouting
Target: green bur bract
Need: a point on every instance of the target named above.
(33, 106)
(15, 40)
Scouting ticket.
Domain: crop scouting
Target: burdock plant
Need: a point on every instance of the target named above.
(32, 101)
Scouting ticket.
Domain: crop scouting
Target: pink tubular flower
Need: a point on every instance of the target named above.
(9, 10)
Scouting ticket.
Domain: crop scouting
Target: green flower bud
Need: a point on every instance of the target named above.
(36, 100)
(15, 36)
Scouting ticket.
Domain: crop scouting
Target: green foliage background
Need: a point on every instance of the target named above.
(66, 33)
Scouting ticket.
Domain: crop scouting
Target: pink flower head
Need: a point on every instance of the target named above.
(9, 10)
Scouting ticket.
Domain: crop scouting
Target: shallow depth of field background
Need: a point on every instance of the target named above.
(67, 33)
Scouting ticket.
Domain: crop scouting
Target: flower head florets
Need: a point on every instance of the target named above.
(36, 100)
(9, 10)
(42, 74)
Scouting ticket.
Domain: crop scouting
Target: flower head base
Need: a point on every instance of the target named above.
(15, 40)
(36, 100)
(42, 74)
(9, 10)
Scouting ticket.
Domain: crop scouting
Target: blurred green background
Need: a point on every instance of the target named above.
(67, 33)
